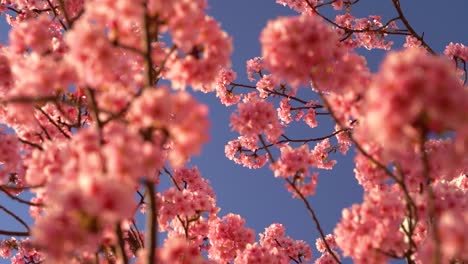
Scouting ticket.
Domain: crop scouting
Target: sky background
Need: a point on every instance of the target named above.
(255, 194)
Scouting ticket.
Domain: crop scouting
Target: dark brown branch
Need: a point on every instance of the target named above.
(151, 222)
(148, 61)
(56, 15)
(53, 122)
(15, 216)
(32, 144)
(396, 4)
(163, 63)
(32, 99)
(287, 139)
(313, 139)
(14, 9)
(273, 92)
(172, 179)
(315, 219)
(121, 248)
(13, 197)
(95, 113)
(136, 233)
(13, 233)
(65, 13)
(121, 45)
(22, 188)
(306, 202)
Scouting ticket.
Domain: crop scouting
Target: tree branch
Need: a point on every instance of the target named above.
(151, 222)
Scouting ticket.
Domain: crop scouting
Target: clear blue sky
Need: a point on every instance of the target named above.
(256, 194)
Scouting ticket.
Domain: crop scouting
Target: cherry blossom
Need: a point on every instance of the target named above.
(287, 43)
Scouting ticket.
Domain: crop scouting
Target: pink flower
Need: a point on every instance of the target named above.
(456, 50)
(228, 236)
(255, 254)
(37, 75)
(412, 42)
(7, 246)
(309, 118)
(201, 63)
(191, 197)
(179, 251)
(338, 5)
(297, 5)
(37, 34)
(320, 155)
(294, 48)
(227, 97)
(10, 157)
(370, 39)
(452, 232)
(283, 247)
(254, 66)
(177, 120)
(238, 151)
(422, 93)
(188, 129)
(375, 224)
(293, 162)
(121, 16)
(254, 117)
(330, 239)
(96, 60)
(326, 258)
(265, 84)
(284, 111)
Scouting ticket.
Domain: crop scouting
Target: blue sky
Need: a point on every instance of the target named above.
(256, 194)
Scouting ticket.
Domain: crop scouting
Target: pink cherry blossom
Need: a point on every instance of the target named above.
(225, 78)
(254, 254)
(37, 34)
(179, 251)
(283, 247)
(456, 50)
(367, 39)
(227, 236)
(415, 86)
(371, 227)
(254, 67)
(255, 117)
(287, 45)
(200, 65)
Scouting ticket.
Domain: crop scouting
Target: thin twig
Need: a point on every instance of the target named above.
(307, 204)
(396, 4)
(53, 122)
(14, 233)
(15, 216)
(5, 191)
(314, 217)
(121, 248)
(32, 144)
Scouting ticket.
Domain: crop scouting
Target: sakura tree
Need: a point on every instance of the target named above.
(97, 109)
